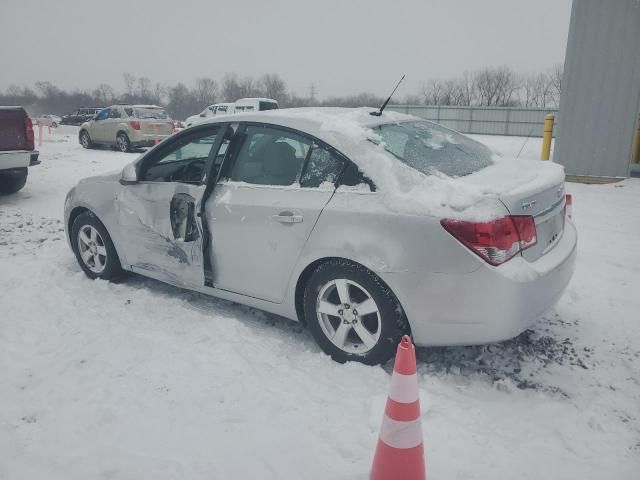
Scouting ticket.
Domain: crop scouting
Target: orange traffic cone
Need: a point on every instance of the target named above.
(400, 452)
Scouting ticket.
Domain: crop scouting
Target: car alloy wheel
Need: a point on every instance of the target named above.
(84, 139)
(348, 316)
(92, 249)
(123, 142)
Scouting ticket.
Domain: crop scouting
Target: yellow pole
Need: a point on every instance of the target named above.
(547, 134)
(635, 152)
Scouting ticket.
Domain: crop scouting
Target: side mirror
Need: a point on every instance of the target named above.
(129, 175)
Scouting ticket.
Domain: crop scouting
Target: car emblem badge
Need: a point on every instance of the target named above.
(526, 205)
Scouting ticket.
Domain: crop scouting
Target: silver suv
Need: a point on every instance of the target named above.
(126, 127)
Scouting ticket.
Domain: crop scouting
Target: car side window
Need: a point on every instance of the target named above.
(114, 113)
(323, 167)
(103, 114)
(185, 160)
(270, 156)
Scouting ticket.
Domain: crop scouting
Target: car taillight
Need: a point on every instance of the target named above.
(28, 127)
(495, 241)
(568, 205)
(135, 124)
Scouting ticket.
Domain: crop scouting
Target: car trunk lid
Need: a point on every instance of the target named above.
(153, 121)
(547, 207)
(528, 188)
(156, 126)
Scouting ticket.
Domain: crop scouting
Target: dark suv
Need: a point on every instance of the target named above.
(80, 116)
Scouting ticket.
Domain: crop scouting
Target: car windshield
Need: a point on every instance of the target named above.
(156, 113)
(430, 148)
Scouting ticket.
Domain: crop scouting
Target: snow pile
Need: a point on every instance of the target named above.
(404, 189)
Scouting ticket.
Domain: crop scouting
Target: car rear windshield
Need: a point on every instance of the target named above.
(142, 113)
(430, 148)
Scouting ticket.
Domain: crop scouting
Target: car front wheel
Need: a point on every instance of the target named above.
(94, 249)
(352, 314)
(85, 139)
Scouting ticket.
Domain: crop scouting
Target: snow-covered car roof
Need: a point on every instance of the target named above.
(403, 188)
(326, 123)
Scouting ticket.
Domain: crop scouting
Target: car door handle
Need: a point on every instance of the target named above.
(287, 217)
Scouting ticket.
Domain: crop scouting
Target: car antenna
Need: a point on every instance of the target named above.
(379, 112)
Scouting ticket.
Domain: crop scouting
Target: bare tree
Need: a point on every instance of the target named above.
(206, 91)
(432, 92)
(468, 89)
(104, 94)
(158, 93)
(144, 89)
(230, 87)
(496, 86)
(249, 88)
(556, 83)
(274, 87)
(129, 83)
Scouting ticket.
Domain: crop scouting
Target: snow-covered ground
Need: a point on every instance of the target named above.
(142, 380)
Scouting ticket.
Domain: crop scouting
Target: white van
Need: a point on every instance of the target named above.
(241, 105)
(255, 105)
(210, 111)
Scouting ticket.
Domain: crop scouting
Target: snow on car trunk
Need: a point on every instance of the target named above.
(422, 168)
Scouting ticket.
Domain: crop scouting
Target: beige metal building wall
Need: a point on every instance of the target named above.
(600, 89)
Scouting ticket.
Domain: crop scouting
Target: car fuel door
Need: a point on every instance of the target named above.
(160, 214)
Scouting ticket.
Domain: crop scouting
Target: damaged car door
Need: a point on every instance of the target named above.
(160, 212)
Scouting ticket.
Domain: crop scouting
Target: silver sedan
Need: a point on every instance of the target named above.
(361, 227)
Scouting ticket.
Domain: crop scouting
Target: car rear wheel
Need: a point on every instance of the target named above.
(85, 139)
(352, 314)
(123, 143)
(94, 249)
(14, 181)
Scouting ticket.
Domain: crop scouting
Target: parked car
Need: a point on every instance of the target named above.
(239, 106)
(17, 151)
(126, 127)
(79, 116)
(210, 111)
(305, 214)
(47, 120)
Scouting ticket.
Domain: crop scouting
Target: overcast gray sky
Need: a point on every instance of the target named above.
(343, 46)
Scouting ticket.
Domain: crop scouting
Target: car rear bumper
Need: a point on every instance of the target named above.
(146, 140)
(15, 159)
(490, 304)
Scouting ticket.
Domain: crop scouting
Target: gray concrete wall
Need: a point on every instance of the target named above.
(600, 88)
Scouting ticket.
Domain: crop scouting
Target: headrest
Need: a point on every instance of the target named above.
(279, 159)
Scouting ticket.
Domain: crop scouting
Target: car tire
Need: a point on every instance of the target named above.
(14, 181)
(123, 143)
(85, 139)
(334, 292)
(94, 248)
(54, 125)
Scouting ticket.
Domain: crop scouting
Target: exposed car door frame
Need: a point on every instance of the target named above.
(186, 199)
(229, 131)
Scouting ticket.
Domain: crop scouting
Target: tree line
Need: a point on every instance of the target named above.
(491, 86)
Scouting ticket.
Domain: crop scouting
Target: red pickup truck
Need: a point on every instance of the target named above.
(16, 148)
